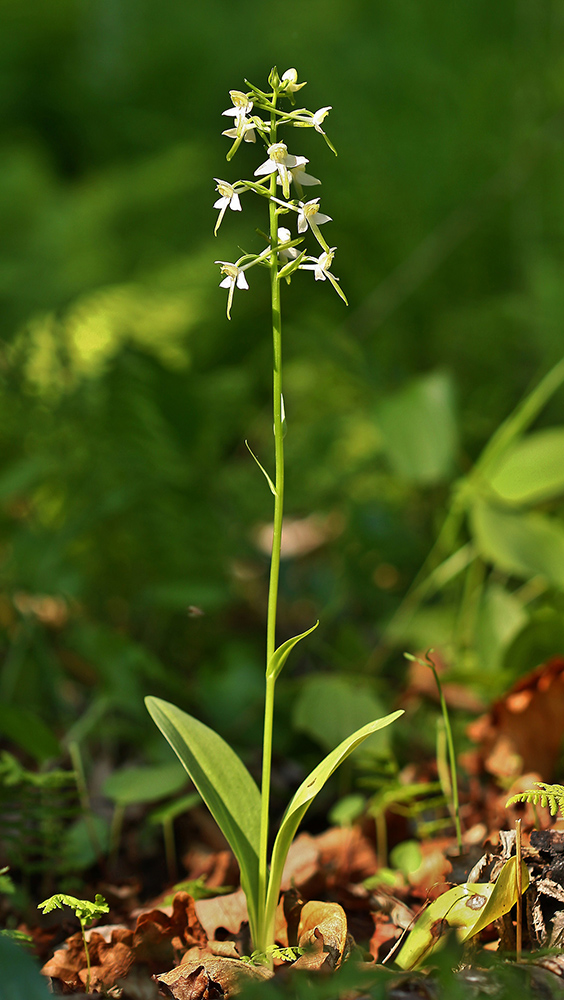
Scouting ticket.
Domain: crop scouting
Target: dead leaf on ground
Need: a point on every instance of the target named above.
(523, 731)
(323, 928)
(207, 977)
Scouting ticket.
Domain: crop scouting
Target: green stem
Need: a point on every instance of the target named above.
(275, 557)
(451, 755)
(87, 953)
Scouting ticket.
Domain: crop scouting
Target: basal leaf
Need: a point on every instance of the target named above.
(280, 655)
(469, 907)
(503, 897)
(225, 785)
(458, 907)
(303, 798)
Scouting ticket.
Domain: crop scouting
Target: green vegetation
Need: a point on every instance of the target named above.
(425, 489)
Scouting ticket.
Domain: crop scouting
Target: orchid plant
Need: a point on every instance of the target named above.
(231, 794)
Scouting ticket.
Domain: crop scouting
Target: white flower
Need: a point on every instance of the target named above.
(321, 266)
(245, 130)
(309, 215)
(279, 159)
(290, 253)
(314, 120)
(233, 276)
(229, 199)
(300, 178)
(244, 126)
(242, 106)
(290, 78)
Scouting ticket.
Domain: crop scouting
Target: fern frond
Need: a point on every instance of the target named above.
(551, 796)
(85, 910)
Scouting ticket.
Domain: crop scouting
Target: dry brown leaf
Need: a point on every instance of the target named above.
(302, 862)
(206, 976)
(325, 923)
(523, 731)
(346, 854)
(227, 912)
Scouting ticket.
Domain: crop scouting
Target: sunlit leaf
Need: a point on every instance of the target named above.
(469, 907)
(225, 785)
(459, 907)
(329, 707)
(303, 799)
(503, 897)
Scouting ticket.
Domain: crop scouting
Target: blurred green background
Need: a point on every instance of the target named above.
(130, 507)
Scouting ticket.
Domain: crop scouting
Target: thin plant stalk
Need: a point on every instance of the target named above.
(451, 756)
(276, 534)
(519, 905)
(454, 805)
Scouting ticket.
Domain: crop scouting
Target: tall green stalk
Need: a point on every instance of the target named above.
(277, 528)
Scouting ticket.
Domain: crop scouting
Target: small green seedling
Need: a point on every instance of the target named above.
(448, 775)
(227, 788)
(84, 910)
(549, 796)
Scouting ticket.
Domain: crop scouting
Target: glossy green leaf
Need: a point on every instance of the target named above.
(280, 655)
(469, 907)
(419, 429)
(458, 907)
(303, 799)
(523, 544)
(225, 785)
(503, 897)
(533, 469)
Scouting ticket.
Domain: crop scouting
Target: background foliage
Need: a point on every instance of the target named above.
(128, 502)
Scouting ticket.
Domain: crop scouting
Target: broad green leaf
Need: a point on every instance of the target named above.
(280, 655)
(533, 469)
(523, 544)
(303, 799)
(503, 897)
(419, 429)
(459, 907)
(329, 708)
(469, 907)
(144, 784)
(225, 785)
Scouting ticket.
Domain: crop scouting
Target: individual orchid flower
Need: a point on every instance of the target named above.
(242, 105)
(309, 215)
(290, 78)
(280, 160)
(233, 276)
(289, 253)
(229, 199)
(321, 266)
(313, 120)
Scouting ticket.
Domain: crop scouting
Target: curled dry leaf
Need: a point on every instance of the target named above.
(323, 928)
(207, 977)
